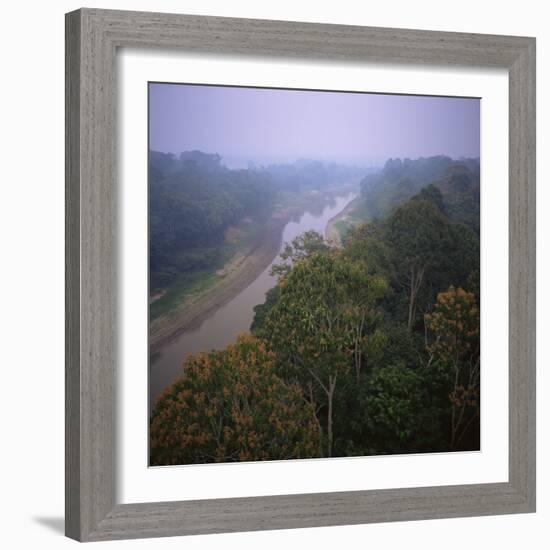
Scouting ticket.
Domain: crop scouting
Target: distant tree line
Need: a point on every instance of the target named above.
(194, 198)
(371, 348)
(311, 174)
(399, 180)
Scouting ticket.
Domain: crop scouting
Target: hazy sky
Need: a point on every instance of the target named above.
(268, 125)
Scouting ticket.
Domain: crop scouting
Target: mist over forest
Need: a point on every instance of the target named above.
(194, 198)
(365, 345)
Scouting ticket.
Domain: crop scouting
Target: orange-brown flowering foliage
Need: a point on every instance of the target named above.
(455, 351)
(231, 406)
(455, 321)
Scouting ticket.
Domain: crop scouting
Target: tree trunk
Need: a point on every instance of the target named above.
(416, 281)
(330, 396)
(357, 356)
(357, 353)
(316, 420)
(411, 300)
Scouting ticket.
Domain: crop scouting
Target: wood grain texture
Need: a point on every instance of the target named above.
(225, 35)
(72, 277)
(310, 510)
(92, 37)
(522, 274)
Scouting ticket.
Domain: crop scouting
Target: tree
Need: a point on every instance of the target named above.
(433, 194)
(262, 310)
(463, 256)
(454, 353)
(301, 247)
(366, 243)
(321, 324)
(193, 200)
(231, 406)
(394, 409)
(419, 234)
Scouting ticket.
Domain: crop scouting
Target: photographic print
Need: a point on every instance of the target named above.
(314, 274)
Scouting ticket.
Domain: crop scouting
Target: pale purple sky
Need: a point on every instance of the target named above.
(270, 125)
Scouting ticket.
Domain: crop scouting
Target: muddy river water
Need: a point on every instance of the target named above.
(222, 327)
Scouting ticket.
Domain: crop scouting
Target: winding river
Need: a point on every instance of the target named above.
(222, 327)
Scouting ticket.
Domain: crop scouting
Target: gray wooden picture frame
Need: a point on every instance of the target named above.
(92, 39)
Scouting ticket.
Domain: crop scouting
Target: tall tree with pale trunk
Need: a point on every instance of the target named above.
(321, 325)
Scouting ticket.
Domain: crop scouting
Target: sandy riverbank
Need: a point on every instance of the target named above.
(194, 310)
(239, 272)
(332, 234)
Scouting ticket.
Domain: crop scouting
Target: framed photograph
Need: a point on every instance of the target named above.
(300, 275)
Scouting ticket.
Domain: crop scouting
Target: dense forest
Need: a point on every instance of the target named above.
(194, 198)
(311, 174)
(368, 348)
(458, 181)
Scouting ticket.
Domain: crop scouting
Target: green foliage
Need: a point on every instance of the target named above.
(261, 311)
(322, 324)
(367, 244)
(372, 348)
(455, 355)
(229, 406)
(400, 180)
(322, 303)
(192, 202)
(419, 251)
(432, 194)
(394, 405)
(182, 286)
(194, 199)
(418, 233)
(399, 402)
(310, 174)
(301, 247)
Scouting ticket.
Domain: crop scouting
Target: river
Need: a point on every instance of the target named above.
(222, 327)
